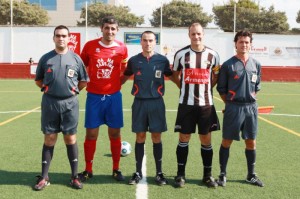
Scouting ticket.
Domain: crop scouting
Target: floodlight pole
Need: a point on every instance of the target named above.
(161, 25)
(11, 33)
(234, 21)
(234, 18)
(86, 23)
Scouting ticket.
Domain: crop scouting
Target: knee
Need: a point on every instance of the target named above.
(156, 137)
(50, 140)
(184, 137)
(250, 144)
(114, 133)
(226, 143)
(140, 137)
(91, 134)
(70, 139)
(205, 139)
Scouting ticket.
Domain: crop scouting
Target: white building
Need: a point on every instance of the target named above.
(67, 12)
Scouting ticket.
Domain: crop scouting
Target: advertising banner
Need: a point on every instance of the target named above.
(134, 38)
(74, 43)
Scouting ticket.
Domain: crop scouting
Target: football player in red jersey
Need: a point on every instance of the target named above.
(104, 58)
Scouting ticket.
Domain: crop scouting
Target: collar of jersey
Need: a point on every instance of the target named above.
(114, 44)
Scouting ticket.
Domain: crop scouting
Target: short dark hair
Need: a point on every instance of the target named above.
(243, 33)
(61, 27)
(109, 20)
(148, 32)
(195, 24)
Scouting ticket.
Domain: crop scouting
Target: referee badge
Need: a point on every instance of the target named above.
(71, 73)
(158, 74)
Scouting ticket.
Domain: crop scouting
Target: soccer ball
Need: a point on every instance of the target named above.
(125, 148)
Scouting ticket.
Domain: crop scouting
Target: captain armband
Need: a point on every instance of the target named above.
(216, 69)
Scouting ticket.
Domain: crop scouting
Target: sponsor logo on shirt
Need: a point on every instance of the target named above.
(104, 68)
(196, 76)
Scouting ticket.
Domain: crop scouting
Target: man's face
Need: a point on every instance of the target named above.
(196, 35)
(109, 32)
(148, 42)
(61, 39)
(243, 45)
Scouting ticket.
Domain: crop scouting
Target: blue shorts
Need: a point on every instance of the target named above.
(104, 109)
(240, 118)
(149, 115)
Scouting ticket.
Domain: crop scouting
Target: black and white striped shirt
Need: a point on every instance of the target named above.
(196, 75)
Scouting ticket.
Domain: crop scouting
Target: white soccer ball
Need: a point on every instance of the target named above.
(125, 148)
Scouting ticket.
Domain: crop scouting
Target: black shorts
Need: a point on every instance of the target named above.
(189, 116)
(59, 115)
(149, 115)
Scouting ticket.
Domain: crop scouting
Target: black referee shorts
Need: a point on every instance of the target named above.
(149, 115)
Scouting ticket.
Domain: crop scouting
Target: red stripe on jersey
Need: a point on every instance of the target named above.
(158, 90)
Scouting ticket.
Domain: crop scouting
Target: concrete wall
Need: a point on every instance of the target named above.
(18, 44)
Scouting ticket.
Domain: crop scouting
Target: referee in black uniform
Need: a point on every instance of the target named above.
(61, 75)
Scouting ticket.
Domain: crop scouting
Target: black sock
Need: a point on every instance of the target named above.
(223, 159)
(139, 155)
(251, 157)
(207, 155)
(47, 154)
(72, 151)
(157, 153)
(182, 152)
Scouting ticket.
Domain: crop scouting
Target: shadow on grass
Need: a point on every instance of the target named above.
(170, 179)
(29, 179)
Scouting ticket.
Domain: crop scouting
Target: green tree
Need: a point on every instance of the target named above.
(24, 13)
(250, 16)
(97, 11)
(179, 13)
(298, 17)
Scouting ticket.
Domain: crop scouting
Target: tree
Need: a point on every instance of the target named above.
(179, 13)
(24, 13)
(298, 17)
(97, 11)
(250, 16)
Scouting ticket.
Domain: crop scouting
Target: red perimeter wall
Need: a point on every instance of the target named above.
(269, 73)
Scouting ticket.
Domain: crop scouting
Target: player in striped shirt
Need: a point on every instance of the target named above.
(195, 72)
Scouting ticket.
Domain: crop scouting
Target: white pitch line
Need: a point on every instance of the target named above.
(142, 186)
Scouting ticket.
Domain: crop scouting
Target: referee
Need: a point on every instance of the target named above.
(148, 108)
(61, 75)
(238, 85)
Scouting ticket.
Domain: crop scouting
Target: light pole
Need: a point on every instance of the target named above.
(161, 26)
(11, 33)
(234, 17)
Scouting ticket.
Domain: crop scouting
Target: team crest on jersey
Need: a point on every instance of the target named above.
(104, 68)
(97, 50)
(113, 52)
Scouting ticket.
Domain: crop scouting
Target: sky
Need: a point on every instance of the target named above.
(146, 7)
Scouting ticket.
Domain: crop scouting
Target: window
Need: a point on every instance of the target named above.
(81, 3)
(46, 4)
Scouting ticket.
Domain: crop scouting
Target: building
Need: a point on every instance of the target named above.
(67, 12)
